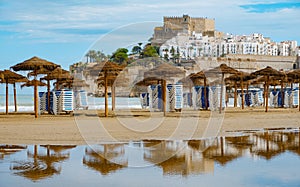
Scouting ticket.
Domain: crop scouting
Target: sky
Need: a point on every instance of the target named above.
(62, 31)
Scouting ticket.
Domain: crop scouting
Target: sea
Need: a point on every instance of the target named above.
(25, 102)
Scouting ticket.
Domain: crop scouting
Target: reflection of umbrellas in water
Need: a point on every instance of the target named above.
(100, 160)
(219, 153)
(40, 166)
(34, 64)
(59, 148)
(176, 158)
(10, 149)
(268, 151)
(9, 77)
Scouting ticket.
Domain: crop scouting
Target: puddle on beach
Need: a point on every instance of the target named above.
(264, 158)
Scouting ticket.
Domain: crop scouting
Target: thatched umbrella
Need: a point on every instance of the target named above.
(163, 72)
(199, 76)
(34, 64)
(108, 71)
(33, 83)
(196, 79)
(10, 77)
(222, 69)
(240, 77)
(50, 75)
(295, 76)
(267, 73)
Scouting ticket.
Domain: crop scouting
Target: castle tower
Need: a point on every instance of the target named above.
(185, 24)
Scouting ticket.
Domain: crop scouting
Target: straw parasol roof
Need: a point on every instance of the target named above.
(165, 71)
(35, 63)
(294, 75)
(32, 83)
(107, 73)
(10, 77)
(268, 71)
(222, 69)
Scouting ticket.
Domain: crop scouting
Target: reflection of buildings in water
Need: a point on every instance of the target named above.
(6, 150)
(177, 158)
(105, 158)
(40, 165)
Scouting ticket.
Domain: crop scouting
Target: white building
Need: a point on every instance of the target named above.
(197, 45)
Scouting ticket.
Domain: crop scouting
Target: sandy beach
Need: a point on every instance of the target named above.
(88, 128)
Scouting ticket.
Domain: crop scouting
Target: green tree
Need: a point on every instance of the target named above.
(136, 50)
(149, 51)
(120, 55)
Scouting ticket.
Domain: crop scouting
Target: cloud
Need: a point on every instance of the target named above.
(87, 20)
(270, 7)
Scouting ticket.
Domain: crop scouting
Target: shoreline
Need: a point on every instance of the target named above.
(136, 125)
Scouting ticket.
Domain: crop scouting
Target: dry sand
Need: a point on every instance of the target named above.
(88, 128)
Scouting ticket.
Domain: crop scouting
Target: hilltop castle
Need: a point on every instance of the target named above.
(185, 24)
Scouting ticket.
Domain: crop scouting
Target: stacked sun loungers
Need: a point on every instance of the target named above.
(43, 102)
(213, 97)
(60, 101)
(174, 97)
(253, 98)
(187, 99)
(144, 98)
(153, 98)
(81, 99)
(198, 97)
(289, 99)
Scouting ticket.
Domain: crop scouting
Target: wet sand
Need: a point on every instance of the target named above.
(88, 128)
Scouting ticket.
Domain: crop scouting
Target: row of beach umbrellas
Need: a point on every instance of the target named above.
(108, 72)
(36, 66)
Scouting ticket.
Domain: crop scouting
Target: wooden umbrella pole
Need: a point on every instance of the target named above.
(113, 97)
(48, 95)
(267, 94)
(205, 94)
(242, 91)
(6, 111)
(221, 98)
(264, 94)
(105, 94)
(299, 95)
(15, 97)
(235, 94)
(164, 95)
(35, 100)
(247, 89)
(282, 94)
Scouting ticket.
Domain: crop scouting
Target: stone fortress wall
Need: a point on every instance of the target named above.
(185, 24)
